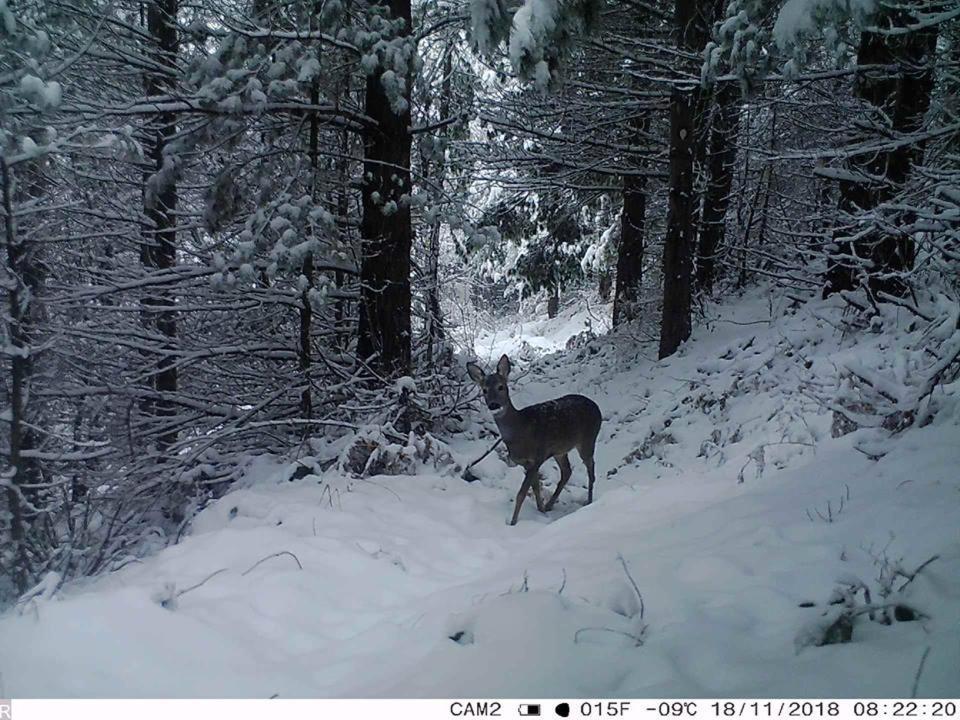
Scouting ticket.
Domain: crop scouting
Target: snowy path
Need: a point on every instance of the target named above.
(394, 567)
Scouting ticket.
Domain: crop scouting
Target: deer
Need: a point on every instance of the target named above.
(537, 432)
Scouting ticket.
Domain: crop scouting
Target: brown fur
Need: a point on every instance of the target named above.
(537, 432)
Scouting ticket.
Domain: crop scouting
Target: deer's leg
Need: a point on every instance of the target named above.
(537, 491)
(565, 471)
(528, 479)
(587, 457)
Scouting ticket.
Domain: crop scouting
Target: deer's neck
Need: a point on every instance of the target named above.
(506, 419)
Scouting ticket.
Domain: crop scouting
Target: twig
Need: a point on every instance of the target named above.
(636, 639)
(872, 455)
(492, 447)
(887, 297)
(382, 487)
(632, 582)
(916, 678)
(194, 587)
(912, 576)
(277, 554)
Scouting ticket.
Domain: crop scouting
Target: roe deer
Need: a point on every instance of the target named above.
(535, 433)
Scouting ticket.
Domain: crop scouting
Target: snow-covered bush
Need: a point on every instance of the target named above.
(852, 601)
(372, 451)
(911, 375)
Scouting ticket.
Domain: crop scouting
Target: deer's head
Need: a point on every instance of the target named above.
(494, 386)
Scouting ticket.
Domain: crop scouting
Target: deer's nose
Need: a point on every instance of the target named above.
(493, 405)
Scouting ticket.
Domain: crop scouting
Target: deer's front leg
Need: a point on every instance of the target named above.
(528, 480)
(538, 491)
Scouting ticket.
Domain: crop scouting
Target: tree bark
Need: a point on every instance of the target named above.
(553, 299)
(21, 370)
(434, 320)
(605, 285)
(158, 250)
(626, 300)
(342, 334)
(304, 355)
(691, 30)
(721, 159)
(899, 100)
(385, 228)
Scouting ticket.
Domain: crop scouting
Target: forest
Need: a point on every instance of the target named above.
(251, 246)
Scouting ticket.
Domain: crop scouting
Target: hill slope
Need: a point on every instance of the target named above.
(726, 507)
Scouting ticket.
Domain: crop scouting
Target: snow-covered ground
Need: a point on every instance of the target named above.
(723, 500)
(531, 334)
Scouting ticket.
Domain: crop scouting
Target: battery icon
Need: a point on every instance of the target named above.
(530, 710)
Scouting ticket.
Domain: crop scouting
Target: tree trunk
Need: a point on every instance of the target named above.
(304, 357)
(158, 251)
(771, 176)
(633, 214)
(899, 100)
(434, 319)
(342, 333)
(722, 156)
(21, 369)
(626, 300)
(691, 29)
(605, 285)
(385, 228)
(553, 300)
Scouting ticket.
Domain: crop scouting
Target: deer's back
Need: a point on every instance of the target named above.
(552, 428)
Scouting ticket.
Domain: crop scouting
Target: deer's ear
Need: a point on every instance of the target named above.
(503, 367)
(476, 374)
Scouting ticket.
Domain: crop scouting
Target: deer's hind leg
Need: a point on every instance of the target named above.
(565, 471)
(586, 454)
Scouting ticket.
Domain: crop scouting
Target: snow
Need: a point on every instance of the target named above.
(802, 17)
(715, 471)
(485, 16)
(46, 94)
(532, 334)
(541, 74)
(31, 85)
(405, 384)
(533, 24)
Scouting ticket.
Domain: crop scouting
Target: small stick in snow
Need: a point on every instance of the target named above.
(632, 582)
(277, 554)
(912, 576)
(916, 678)
(469, 476)
(576, 635)
(194, 587)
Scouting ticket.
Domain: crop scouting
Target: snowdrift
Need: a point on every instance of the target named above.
(744, 542)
